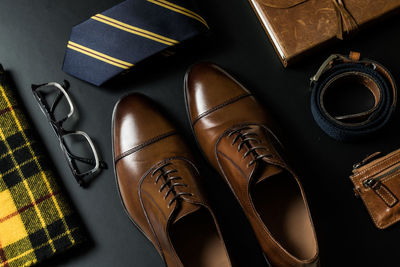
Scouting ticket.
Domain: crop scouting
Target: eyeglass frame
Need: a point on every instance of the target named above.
(57, 126)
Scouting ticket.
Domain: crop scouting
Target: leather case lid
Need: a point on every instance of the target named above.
(295, 27)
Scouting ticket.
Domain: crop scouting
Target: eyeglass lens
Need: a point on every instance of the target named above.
(57, 104)
(81, 153)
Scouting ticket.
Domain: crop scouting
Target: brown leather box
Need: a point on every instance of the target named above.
(295, 27)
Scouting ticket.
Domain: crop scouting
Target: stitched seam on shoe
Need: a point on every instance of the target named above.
(226, 103)
(154, 204)
(146, 143)
(233, 163)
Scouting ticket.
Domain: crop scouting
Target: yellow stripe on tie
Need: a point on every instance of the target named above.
(184, 10)
(135, 30)
(100, 56)
(179, 9)
(97, 57)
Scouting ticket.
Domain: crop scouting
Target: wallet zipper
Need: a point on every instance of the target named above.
(381, 189)
(374, 182)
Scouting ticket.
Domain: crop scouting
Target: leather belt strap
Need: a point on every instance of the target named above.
(368, 73)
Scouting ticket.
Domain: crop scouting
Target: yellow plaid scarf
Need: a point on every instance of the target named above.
(35, 219)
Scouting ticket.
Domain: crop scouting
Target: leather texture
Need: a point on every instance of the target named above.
(295, 27)
(378, 185)
(339, 72)
(238, 138)
(160, 186)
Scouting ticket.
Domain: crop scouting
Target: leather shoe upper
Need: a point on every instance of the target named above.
(239, 139)
(157, 179)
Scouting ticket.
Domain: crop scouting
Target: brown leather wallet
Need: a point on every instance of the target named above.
(297, 26)
(377, 182)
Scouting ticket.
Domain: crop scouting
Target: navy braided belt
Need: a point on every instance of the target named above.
(338, 71)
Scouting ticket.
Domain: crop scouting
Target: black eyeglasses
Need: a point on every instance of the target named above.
(78, 147)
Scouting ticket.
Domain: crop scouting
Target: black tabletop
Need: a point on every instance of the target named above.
(33, 37)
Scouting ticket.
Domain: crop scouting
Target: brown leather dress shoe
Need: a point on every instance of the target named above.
(236, 135)
(159, 186)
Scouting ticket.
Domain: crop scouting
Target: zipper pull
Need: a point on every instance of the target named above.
(371, 183)
(382, 191)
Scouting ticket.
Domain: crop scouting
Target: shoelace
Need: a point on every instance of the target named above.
(245, 138)
(169, 181)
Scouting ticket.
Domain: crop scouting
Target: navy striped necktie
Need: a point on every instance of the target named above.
(114, 41)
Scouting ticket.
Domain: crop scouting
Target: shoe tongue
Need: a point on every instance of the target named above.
(266, 171)
(185, 208)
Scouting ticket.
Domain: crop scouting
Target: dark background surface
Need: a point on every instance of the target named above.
(33, 37)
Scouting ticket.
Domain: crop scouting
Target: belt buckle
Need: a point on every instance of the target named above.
(323, 68)
(353, 56)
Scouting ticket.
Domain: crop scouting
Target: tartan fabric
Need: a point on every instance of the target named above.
(35, 218)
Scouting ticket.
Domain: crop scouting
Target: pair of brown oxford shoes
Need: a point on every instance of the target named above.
(160, 185)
